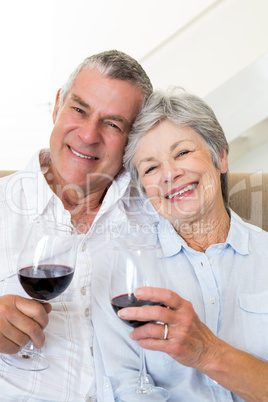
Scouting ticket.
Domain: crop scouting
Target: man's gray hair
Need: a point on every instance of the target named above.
(112, 64)
(184, 110)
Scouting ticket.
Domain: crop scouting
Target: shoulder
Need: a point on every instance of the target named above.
(12, 183)
(6, 184)
(141, 205)
(246, 226)
(257, 237)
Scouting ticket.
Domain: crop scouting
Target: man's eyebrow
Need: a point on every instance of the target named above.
(118, 118)
(81, 102)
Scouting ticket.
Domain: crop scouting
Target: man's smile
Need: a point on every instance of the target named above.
(81, 155)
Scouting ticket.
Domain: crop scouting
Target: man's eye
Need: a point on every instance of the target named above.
(115, 126)
(77, 109)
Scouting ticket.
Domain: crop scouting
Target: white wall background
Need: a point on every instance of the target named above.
(214, 48)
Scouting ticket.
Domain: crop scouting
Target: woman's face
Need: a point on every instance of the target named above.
(177, 173)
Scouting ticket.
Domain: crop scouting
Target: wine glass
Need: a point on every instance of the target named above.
(134, 266)
(45, 268)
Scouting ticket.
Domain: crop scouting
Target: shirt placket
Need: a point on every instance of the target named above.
(204, 266)
(84, 294)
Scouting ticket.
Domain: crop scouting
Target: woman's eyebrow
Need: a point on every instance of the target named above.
(174, 146)
(147, 159)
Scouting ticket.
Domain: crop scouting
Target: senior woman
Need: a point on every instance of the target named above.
(216, 348)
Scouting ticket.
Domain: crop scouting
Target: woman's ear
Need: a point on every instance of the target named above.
(223, 164)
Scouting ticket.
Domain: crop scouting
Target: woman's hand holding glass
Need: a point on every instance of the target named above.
(134, 266)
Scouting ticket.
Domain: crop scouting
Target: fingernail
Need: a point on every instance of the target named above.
(121, 314)
(138, 293)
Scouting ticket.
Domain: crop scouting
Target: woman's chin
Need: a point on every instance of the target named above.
(181, 211)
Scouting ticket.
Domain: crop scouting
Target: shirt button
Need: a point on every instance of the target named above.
(83, 290)
(87, 312)
(212, 300)
(84, 246)
(211, 261)
(107, 384)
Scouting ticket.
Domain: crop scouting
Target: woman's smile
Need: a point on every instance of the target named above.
(181, 192)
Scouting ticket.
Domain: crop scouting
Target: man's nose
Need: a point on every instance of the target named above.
(89, 132)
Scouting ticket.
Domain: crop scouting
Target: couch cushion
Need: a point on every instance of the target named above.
(248, 197)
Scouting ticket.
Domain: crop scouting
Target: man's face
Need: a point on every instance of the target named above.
(91, 129)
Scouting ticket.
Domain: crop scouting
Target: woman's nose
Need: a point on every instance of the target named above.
(171, 173)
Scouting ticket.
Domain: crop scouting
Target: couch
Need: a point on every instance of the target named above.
(248, 197)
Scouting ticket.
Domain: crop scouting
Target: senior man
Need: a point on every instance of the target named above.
(79, 180)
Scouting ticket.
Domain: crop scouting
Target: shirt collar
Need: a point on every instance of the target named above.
(238, 236)
(169, 239)
(118, 190)
(37, 192)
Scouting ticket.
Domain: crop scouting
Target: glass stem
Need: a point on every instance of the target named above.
(27, 351)
(144, 385)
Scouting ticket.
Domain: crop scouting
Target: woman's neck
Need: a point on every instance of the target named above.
(202, 233)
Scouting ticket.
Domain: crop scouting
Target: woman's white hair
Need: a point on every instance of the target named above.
(184, 110)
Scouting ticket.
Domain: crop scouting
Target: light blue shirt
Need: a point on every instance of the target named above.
(228, 288)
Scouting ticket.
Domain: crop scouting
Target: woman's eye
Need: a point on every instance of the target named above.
(182, 153)
(150, 169)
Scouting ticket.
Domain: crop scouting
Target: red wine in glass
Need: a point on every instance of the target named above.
(45, 282)
(134, 265)
(129, 300)
(45, 268)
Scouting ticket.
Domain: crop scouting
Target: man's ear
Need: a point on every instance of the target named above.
(56, 107)
(223, 164)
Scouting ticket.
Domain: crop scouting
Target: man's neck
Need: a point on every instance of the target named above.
(82, 207)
